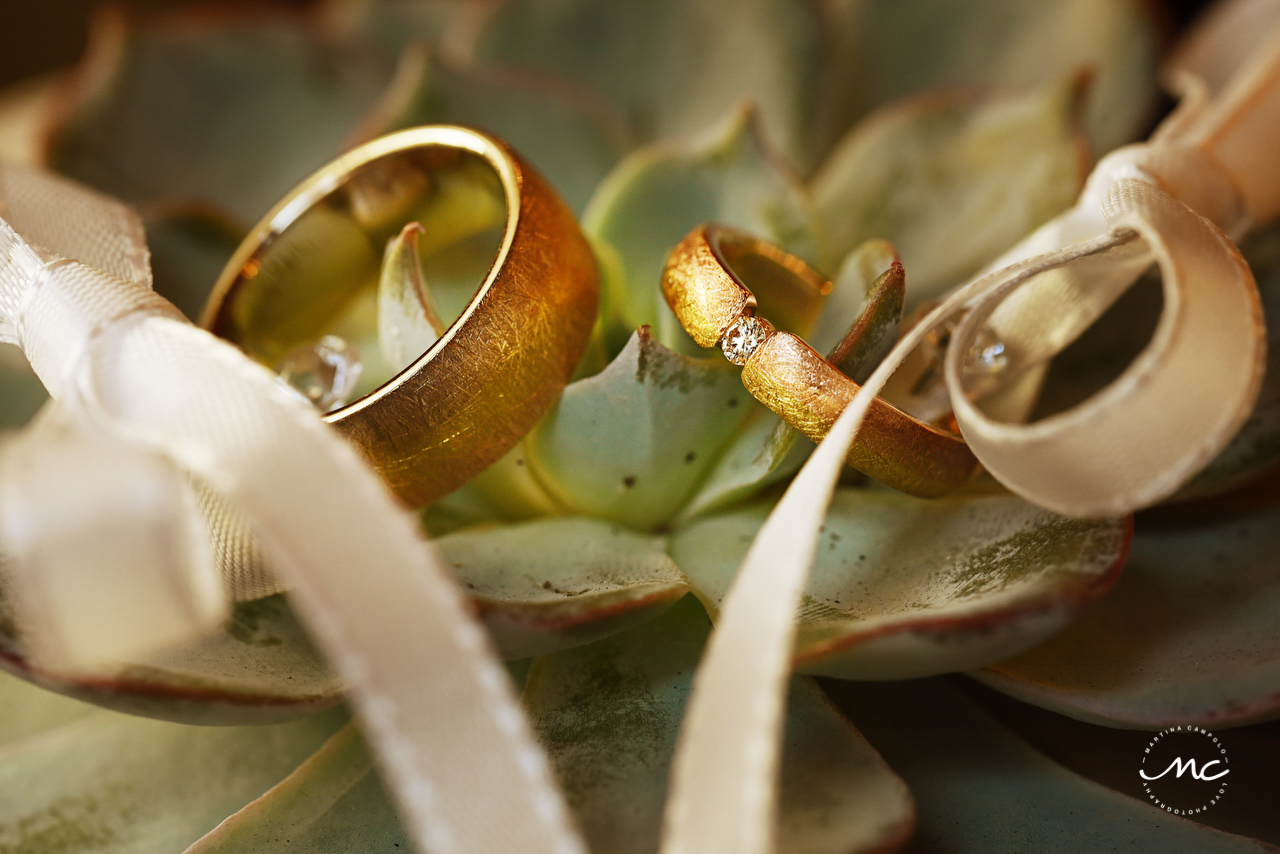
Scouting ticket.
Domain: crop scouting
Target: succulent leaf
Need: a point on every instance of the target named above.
(667, 67)
(852, 289)
(233, 113)
(26, 710)
(608, 715)
(506, 491)
(902, 587)
(1186, 637)
(332, 802)
(189, 244)
(558, 129)
(260, 669)
(118, 783)
(392, 25)
(656, 195)
(872, 335)
(883, 50)
(766, 450)
(952, 180)
(557, 583)
(982, 789)
(632, 443)
(408, 320)
(21, 392)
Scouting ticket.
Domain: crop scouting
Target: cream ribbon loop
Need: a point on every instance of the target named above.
(129, 374)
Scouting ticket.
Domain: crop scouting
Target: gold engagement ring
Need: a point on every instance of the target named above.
(703, 284)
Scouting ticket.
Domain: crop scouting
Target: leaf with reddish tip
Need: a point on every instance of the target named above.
(872, 335)
(608, 715)
(903, 587)
(632, 443)
(126, 785)
(655, 196)
(557, 583)
(1187, 636)
(951, 180)
(261, 668)
(982, 790)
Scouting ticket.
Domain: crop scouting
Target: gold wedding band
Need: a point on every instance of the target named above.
(703, 284)
(496, 369)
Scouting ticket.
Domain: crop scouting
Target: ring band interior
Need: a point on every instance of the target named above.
(315, 272)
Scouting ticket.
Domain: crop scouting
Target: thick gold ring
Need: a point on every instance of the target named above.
(314, 260)
(702, 282)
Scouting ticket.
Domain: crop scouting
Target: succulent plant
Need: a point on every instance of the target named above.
(597, 552)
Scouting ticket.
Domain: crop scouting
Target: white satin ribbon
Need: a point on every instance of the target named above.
(129, 374)
(1212, 167)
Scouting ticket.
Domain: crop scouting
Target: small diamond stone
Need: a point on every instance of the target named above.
(744, 337)
(324, 372)
(988, 353)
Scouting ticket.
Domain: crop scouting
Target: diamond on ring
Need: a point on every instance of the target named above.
(744, 337)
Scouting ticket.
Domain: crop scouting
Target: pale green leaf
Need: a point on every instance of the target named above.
(392, 25)
(504, 492)
(408, 320)
(116, 784)
(632, 443)
(883, 50)
(557, 583)
(231, 112)
(331, 803)
(608, 715)
(670, 67)
(766, 450)
(260, 668)
(26, 710)
(21, 392)
(951, 180)
(904, 587)
(658, 194)
(1186, 637)
(189, 245)
(982, 790)
(561, 131)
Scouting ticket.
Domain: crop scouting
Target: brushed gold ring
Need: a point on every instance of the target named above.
(496, 369)
(703, 284)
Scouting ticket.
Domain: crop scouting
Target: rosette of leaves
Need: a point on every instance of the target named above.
(854, 134)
